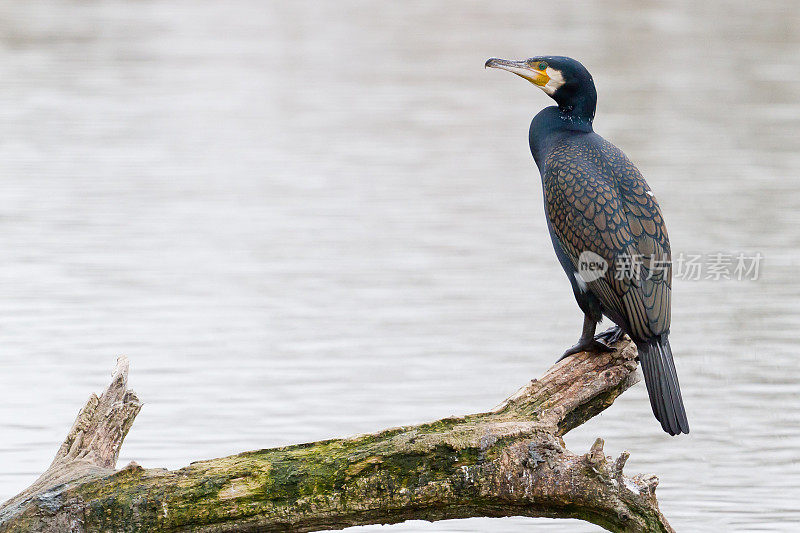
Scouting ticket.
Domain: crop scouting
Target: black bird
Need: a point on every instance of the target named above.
(606, 228)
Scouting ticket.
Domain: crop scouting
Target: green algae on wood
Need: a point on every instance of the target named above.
(510, 461)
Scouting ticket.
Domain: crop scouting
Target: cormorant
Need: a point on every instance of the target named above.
(606, 228)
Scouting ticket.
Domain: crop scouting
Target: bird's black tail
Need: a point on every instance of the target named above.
(655, 357)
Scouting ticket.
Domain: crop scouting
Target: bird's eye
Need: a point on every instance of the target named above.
(542, 65)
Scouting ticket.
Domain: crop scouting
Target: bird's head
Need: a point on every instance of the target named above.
(565, 80)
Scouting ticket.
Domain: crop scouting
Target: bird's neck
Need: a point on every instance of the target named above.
(579, 111)
(578, 115)
(552, 124)
(577, 104)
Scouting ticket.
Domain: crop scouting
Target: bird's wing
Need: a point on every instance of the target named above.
(598, 202)
(649, 234)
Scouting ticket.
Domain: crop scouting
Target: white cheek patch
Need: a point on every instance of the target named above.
(556, 81)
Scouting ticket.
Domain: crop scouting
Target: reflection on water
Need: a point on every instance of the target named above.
(303, 220)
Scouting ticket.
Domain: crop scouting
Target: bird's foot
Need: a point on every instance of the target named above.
(587, 345)
(610, 336)
(587, 341)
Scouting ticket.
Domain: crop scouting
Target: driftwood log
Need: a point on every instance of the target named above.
(510, 461)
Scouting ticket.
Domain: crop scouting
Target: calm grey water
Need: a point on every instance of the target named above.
(304, 219)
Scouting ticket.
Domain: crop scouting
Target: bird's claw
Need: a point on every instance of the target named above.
(610, 336)
(593, 346)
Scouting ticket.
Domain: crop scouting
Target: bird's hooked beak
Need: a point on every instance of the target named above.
(522, 68)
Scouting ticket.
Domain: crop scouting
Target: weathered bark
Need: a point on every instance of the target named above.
(510, 461)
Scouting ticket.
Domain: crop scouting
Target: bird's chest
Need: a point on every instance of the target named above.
(565, 192)
(580, 198)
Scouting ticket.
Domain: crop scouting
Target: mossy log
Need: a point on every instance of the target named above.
(510, 461)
